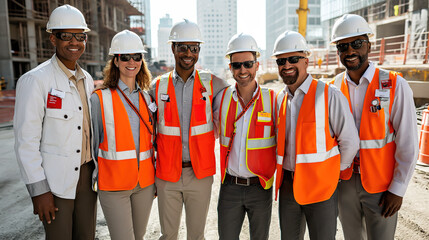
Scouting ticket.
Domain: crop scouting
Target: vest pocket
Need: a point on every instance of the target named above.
(199, 112)
(167, 112)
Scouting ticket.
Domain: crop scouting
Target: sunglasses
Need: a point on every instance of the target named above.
(68, 36)
(185, 47)
(291, 60)
(356, 44)
(246, 64)
(127, 57)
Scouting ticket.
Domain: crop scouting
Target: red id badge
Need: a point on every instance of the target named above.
(53, 102)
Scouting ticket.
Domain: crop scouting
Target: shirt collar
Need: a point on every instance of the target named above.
(304, 87)
(125, 88)
(176, 76)
(79, 72)
(235, 95)
(367, 75)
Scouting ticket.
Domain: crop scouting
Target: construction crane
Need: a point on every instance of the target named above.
(302, 16)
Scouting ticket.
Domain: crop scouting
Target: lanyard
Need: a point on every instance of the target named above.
(254, 98)
(137, 112)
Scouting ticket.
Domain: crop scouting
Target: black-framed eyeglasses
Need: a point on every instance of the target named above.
(68, 36)
(185, 47)
(356, 44)
(127, 57)
(291, 60)
(246, 64)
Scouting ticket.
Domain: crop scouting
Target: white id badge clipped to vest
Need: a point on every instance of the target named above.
(153, 107)
(165, 97)
(382, 93)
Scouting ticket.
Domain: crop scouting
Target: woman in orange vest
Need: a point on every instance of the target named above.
(123, 137)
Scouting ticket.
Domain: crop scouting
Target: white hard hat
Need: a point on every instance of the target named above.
(242, 43)
(126, 42)
(185, 31)
(66, 17)
(290, 41)
(350, 25)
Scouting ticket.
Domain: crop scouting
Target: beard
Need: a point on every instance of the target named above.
(362, 58)
(185, 66)
(289, 79)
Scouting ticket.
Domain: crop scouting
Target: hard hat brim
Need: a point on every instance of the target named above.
(85, 29)
(305, 51)
(335, 40)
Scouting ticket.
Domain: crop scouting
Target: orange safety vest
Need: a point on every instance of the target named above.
(317, 167)
(201, 134)
(377, 145)
(117, 157)
(260, 138)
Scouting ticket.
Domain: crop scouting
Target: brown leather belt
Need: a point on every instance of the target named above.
(241, 181)
(186, 164)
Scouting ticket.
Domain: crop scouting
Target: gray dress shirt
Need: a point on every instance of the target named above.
(183, 91)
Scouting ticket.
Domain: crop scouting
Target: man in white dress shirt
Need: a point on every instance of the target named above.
(371, 192)
(315, 140)
(245, 115)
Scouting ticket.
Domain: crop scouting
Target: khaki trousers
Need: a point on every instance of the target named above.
(127, 212)
(76, 218)
(359, 213)
(189, 191)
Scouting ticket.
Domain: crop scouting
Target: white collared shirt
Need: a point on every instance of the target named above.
(404, 121)
(237, 157)
(341, 124)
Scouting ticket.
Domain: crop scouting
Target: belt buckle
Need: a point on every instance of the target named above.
(242, 184)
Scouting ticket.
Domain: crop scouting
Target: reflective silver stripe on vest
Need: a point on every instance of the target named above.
(320, 117)
(201, 129)
(123, 155)
(206, 79)
(109, 119)
(259, 143)
(145, 155)
(317, 157)
(224, 141)
(389, 137)
(266, 106)
(321, 154)
(163, 89)
(227, 100)
(109, 122)
(280, 98)
(170, 131)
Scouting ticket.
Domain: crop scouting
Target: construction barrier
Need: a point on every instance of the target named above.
(424, 138)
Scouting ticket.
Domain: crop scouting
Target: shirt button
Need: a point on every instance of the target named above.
(78, 127)
(76, 168)
(65, 116)
(80, 108)
(78, 151)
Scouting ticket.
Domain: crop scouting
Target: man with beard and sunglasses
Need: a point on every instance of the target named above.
(382, 105)
(246, 118)
(316, 139)
(185, 162)
(53, 131)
